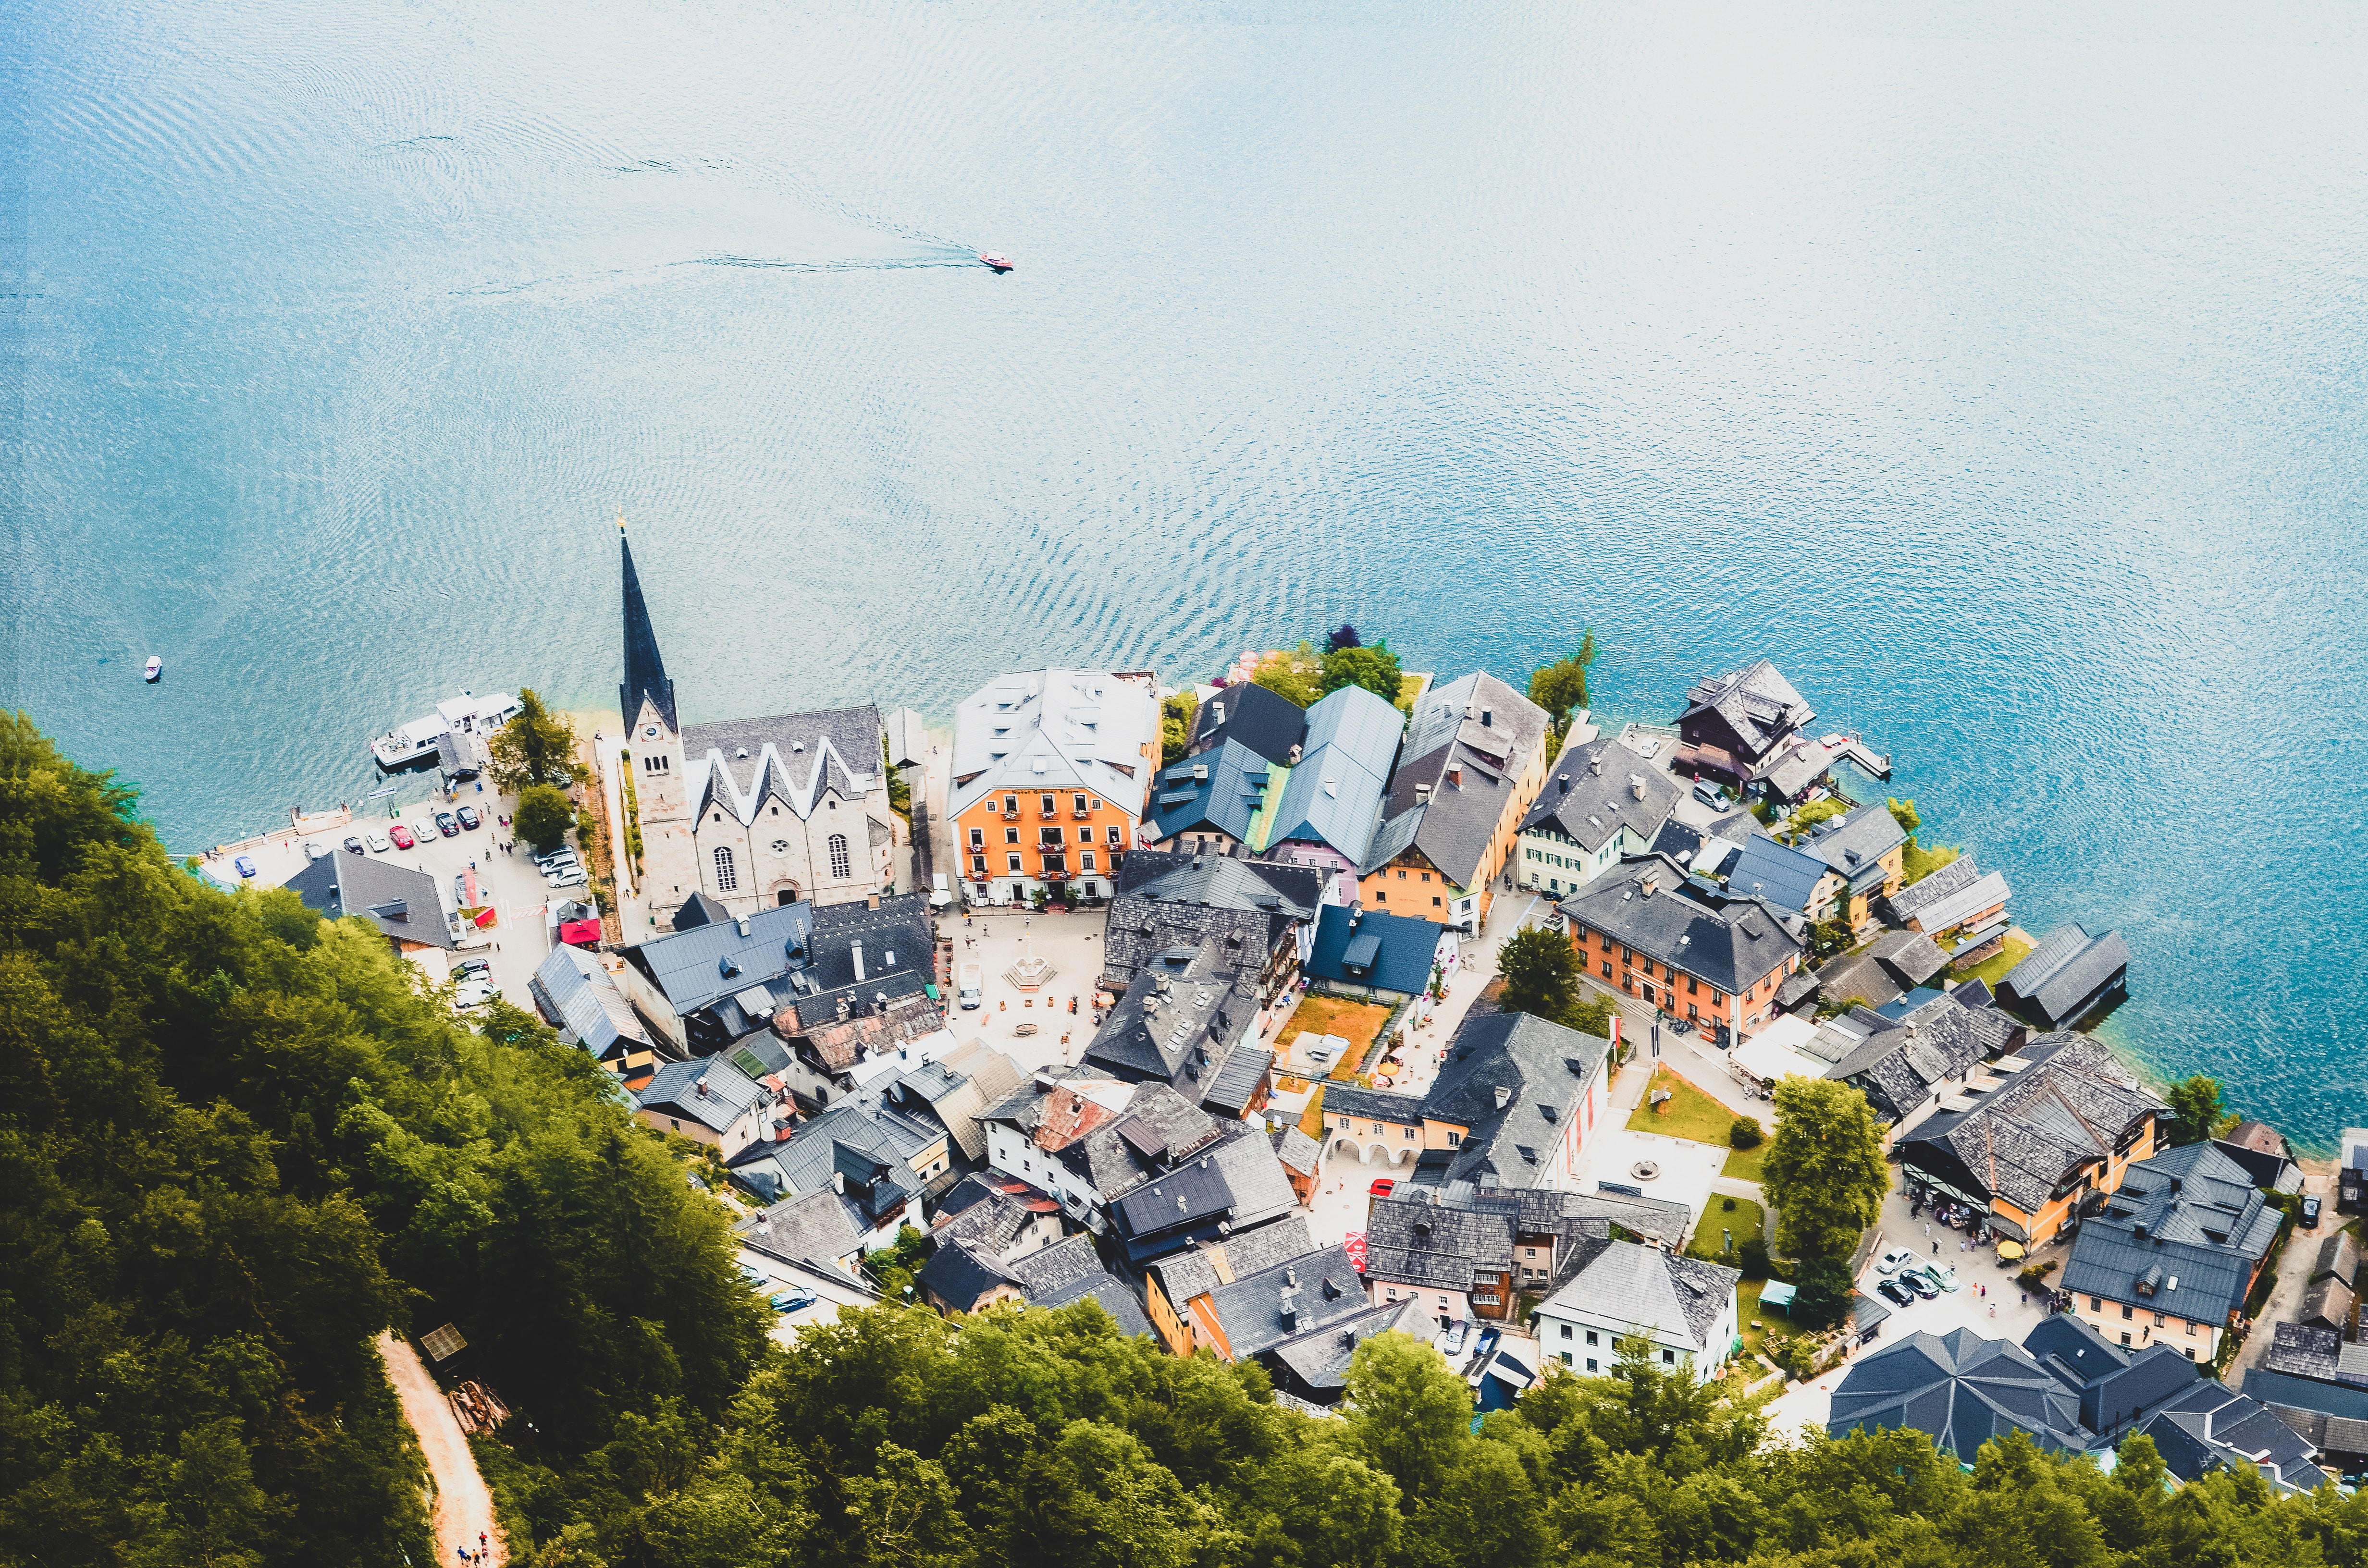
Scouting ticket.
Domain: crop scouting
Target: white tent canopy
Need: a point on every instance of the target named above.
(1776, 1051)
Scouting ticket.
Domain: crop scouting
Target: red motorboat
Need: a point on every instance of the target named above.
(1000, 263)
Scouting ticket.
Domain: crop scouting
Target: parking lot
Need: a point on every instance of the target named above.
(508, 884)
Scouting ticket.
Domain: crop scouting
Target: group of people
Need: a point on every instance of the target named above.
(482, 1556)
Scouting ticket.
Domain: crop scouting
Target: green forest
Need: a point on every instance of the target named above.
(241, 1141)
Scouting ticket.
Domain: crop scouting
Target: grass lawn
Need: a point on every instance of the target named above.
(1747, 1220)
(1747, 1314)
(1690, 1114)
(1743, 1163)
(1990, 970)
(1356, 1022)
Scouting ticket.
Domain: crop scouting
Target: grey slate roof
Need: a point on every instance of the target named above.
(2208, 1427)
(1318, 1359)
(1233, 1089)
(1413, 1239)
(1334, 796)
(581, 998)
(696, 969)
(1729, 942)
(899, 947)
(1986, 893)
(1898, 1069)
(1070, 1271)
(727, 764)
(1859, 978)
(1140, 927)
(1185, 1274)
(1757, 703)
(673, 1090)
(1322, 1287)
(1854, 843)
(2306, 1350)
(2064, 977)
(1599, 787)
(2072, 1104)
(960, 1271)
(1546, 1068)
(1220, 881)
(814, 1228)
(1917, 897)
(401, 903)
(1212, 792)
(1911, 956)
(1669, 1296)
(1960, 1387)
(2181, 1235)
(1185, 1035)
(1267, 722)
(1295, 1150)
(1449, 741)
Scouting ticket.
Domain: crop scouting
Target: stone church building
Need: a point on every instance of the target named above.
(753, 812)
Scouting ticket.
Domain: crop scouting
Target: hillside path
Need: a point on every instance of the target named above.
(462, 1506)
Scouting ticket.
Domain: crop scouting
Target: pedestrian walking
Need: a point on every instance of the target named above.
(481, 1544)
(1936, 1249)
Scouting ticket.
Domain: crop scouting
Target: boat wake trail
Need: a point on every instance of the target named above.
(950, 256)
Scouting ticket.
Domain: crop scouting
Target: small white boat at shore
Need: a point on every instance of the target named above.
(156, 670)
(466, 714)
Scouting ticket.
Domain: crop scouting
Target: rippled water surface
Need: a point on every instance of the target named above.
(1997, 370)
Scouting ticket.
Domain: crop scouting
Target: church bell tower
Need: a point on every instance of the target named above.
(654, 736)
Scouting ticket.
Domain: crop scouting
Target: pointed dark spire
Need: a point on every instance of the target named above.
(645, 674)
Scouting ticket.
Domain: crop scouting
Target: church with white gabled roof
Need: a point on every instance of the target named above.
(753, 812)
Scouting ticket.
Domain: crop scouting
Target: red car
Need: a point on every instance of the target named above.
(400, 837)
(1382, 1188)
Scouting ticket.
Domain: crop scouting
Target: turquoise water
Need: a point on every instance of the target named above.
(1997, 371)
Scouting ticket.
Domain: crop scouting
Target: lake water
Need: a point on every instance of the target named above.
(1995, 370)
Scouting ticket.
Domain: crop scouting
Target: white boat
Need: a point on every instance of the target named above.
(156, 670)
(465, 714)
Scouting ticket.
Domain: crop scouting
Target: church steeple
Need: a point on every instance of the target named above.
(645, 677)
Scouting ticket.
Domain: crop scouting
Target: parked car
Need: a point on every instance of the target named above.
(474, 993)
(1940, 1273)
(1452, 1337)
(245, 867)
(2310, 1212)
(400, 837)
(792, 1300)
(314, 851)
(474, 968)
(1894, 1261)
(353, 844)
(1893, 1292)
(470, 819)
(568, 877)
(1382, 1188)
(755, 1276)
(564, 860)
(1914, 1279)
(446, 826)
(377, 842)
(967, 987)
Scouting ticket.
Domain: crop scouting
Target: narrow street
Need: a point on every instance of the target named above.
(461, 1505)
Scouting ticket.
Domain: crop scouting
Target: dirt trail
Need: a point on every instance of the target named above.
(462, 1506)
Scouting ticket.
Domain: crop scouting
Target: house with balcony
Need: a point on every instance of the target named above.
(1715, 958)
(1051, 775)
(1736, 723)
(1601, 804)
(1475, 761)
(1865, 851)
(2059, 1133)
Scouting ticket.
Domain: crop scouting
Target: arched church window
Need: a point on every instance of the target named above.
(727, 875)
(839, 865)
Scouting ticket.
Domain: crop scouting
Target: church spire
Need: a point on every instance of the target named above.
(645, 677)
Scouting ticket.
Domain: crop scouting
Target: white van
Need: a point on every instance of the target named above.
(967, 987)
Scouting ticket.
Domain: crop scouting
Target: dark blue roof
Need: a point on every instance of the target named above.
(1775, 872)
(1399, 959)
(1225, 800)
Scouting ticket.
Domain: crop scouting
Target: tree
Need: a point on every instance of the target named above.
(1822, 1286)
(1295, 674)
(1176, 714)
(536, 747)
(900, 787)
(543, 816)
(1904, 814)
(1376, 668)
(2197, 1103)
(1345, 638)
(1413, 1414)
(1541, 978)
(1825, 1171)
(1746, 1133)
(1560, 688)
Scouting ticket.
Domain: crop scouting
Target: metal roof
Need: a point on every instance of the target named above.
(1334, 795)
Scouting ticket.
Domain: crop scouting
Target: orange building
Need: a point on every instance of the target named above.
(1052, 769)
(1474, 762)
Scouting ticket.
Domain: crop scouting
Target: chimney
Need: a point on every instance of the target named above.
(1455, 777)
(741, 925)
(1422, 794)
(888, 959)
(1199, 773)
(1503, 1095)
(1595, 763)
(1635, 787)
(1217, 712)
(1331, 786)
(871, 902)
(1487, 718)
(1290, 1277)
(1295, 754)
(1650, 882)
(1563, 779)
(702, 1085)
(1289, 1306)
(1471, 709)
(857, 950)
(839, 1182)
